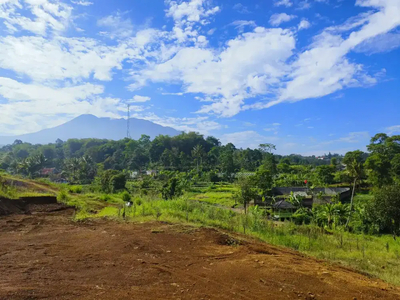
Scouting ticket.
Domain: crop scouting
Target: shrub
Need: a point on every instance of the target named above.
(213, 177)
(105, 197)
(171, 189)
(117, 182)
(126, 197)
(62, 196)
(75, 189)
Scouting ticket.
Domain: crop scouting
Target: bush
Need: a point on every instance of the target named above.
(118, 182)
(213, 177)
(126, 197)
(172, 189)
(75, 189)
(105, 198)
(62, 196)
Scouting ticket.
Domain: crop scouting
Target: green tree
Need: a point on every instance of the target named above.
(117, 182)
(324, 174)
(395, 165)
(246, 192)
(378, 169)
(386, 209)
(354, 167)
(172, 189)
(198, 154)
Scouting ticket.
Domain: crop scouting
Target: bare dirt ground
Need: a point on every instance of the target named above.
(46, 256)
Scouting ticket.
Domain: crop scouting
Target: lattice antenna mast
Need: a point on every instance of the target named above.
(128, 132)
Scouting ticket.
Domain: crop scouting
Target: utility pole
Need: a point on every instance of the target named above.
(128, 132)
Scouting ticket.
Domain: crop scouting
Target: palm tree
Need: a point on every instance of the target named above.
(198, 153)
(71, 167)
(355, 171)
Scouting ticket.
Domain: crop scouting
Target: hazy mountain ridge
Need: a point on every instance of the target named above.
(89, 126)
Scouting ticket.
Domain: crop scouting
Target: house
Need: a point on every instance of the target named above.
(151, 172)
(47, 172)
(284, 209)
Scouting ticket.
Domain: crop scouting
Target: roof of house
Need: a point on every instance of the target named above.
(283, 204)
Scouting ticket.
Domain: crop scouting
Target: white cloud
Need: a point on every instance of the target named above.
(273, 127)
(351, 138)
(286, 3)
(37, 106)
(199, 124)
(259, 62)
(247, 139)
(323, 68)
(241, 8)
(304, 5)
(64, 58)
(304, 24)
(277, 19)
(241, 24)
(172, 94)
(393, 129)
(138, 98)
(382, 43)
(82, 3)
(186, 15)
(44, 15)
(118, 26)
(244, 68)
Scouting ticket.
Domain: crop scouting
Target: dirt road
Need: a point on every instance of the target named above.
(47, 256)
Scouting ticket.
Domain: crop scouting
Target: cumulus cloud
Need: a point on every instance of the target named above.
(62, 58)
(277, 19)
(286, 3)
(118, 26)
(82, 3)
(37, 105)
(324, 68)
(138, 98)
(227, 78)
(382, 43)
(241, 8)
(304, 24)
(44, 15)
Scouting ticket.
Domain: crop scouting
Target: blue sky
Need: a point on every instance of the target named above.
(310, 76)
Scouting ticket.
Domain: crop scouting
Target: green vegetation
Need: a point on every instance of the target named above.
(197, 180)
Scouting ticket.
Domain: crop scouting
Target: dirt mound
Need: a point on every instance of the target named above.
(28, 205)
(47, 256)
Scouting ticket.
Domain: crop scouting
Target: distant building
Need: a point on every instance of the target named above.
(151, 172)
(284, 209)
(48, 171)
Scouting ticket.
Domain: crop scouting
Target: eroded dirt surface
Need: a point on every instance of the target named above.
(47, 256)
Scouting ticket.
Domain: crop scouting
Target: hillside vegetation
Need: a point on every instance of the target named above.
(199, 181)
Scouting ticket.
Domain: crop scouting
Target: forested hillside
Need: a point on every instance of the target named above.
(79, 159)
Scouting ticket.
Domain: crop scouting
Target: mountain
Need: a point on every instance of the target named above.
(89, 126)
